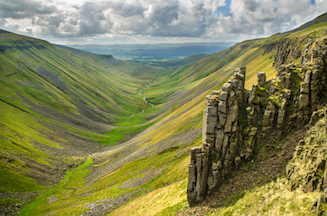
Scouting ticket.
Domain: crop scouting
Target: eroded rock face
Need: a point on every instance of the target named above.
(235, 120)
(308, 168)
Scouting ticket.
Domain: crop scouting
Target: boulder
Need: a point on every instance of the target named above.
(261, 78)
(226, 87)
(223, 95)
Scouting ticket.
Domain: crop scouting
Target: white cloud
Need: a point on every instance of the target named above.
(156, 18)
(253, 18)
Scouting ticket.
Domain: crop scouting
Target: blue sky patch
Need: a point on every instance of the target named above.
(224, 10)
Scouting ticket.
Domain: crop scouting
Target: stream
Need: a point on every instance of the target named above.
(144, 100)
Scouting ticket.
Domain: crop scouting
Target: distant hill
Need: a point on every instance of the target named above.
(153, 53)
(179, 62)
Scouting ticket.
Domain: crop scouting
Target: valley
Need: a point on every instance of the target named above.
(88, 134)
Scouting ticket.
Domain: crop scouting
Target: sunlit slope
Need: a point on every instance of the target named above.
(97, 88)
(56, 106)
(259, 57)
(185, 119)
(159, 155)
(154, 159)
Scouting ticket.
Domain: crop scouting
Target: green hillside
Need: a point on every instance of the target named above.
(66, 122)
(58, 106)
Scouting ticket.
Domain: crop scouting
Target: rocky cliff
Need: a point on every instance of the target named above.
(307, 169)
(237, 121)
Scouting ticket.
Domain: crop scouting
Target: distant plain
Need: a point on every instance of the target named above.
(153, 53)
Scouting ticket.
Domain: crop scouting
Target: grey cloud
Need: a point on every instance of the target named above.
(168, 19)
(126, 9)
(160, 18)
(155, 18)
(20, 9)
(92, 19)
(249, 18)
(251, 5)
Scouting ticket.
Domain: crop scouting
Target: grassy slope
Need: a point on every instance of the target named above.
(186, 104)
(255, 61)
(183, 92)
(57, 103)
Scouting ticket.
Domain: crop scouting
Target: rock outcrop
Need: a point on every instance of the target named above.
(307, 169)
(236, 120)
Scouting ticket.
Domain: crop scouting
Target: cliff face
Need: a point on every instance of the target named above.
(236, 121)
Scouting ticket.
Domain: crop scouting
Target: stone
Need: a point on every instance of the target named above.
(211, 124)
(281, 78)
(272, 89)
(222, 118)
(303, 101)
(204, 126)
(216, 92)
(52, 199)
(240, 86)
(225, 144)
(266, 117)
(234, 127)
(212, 111)
(223, 95)
(239, 76)
(198, 169)
(226, 87)
(287, 94)
(232, 96)
(288, 81)
(304, 88)
(229, 122)
(210, 138)
(243, 70)
(261, 78)
(222, 107)
(233, 84)
(219, 141)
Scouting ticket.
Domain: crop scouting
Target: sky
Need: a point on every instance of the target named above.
(71, 22)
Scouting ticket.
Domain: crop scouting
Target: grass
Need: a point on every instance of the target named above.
(12, 181)
(164, 201)
(273, 198)
(6, 201)
(73, 180)
(73, 194)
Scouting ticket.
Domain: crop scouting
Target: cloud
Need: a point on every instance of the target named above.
(171, 18)
(157, 18)
(20, 9)
(249, 18)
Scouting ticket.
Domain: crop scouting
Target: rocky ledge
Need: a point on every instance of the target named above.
(236, 121)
